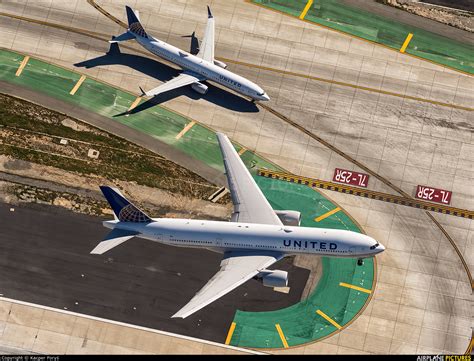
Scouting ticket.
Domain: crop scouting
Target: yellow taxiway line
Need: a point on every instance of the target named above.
(327, 214)
(230, 333)
(355, 36)
(185, 129)
(22, 65)
(242, 151)
(306, 9)
(406, 42)
(134, 104)
(256, 66)
(404, 200)
(282, 336)
(329, 319)
(341, 83)
(78, 84)
(355, 287)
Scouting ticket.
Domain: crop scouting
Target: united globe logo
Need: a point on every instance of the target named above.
(131, 214)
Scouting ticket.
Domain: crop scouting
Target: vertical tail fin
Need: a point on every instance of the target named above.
(124, 210)
(134, 25)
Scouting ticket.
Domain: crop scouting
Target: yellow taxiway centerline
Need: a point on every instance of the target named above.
(78, 84)
(306, 8)
(405, 44)
(329, 319)
(336, 82)
(327, 214)
(355, 287)
(230, 333)
(185, 129)
(134, 104)
(22, 65)
(256, 66)
(282, 336)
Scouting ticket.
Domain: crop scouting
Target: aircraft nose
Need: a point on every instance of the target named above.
(265, 97)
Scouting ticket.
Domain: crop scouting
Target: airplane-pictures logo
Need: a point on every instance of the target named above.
(444, 358)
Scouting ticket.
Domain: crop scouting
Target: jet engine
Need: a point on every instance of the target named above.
(273, 278)
(200, 88)
(289, 218)
(220, 63)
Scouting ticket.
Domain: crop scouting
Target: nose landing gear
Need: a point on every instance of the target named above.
(360, 262)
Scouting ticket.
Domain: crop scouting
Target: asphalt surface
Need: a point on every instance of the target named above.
(467, 5)
(44, 259)
(405, 17)
(155, 145)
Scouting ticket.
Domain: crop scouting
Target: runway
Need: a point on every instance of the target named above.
(140, 282)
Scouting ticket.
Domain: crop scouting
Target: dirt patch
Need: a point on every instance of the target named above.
(457, 18)
(31, 133)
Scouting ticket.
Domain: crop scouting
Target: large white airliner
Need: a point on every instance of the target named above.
(197, 68)
(254, 239)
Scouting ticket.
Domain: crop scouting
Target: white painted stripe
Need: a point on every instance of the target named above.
(189, 338)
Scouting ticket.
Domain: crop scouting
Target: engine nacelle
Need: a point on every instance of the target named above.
(289, 218)
(273, 278)
(220, 63)
(200, 88)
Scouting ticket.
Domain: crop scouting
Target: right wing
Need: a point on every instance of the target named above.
(250, 205)
(183, 79)
(237, 267)
(206, 51)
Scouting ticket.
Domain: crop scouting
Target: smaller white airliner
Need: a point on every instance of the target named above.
(256, 237)
(197, 68)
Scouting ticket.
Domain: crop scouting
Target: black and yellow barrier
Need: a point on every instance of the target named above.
(342, 188)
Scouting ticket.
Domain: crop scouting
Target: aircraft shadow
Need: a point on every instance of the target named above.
(164, 73)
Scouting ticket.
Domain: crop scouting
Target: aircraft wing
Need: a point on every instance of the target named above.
(237, 267)
(206, 51)
(250, 205)
(183, 79)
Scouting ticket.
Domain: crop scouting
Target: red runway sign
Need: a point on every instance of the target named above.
(350, 177)
(433, 194)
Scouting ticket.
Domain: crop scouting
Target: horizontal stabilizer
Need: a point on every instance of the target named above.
(113, 239)
(122, 37)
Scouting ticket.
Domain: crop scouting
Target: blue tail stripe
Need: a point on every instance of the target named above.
(131, 17)
(116, 201)
(123, 209)
(134, 25)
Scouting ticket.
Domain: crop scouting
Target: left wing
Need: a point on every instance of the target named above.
(250, 204)
(206, 51)
(183, 79)
(237, 267)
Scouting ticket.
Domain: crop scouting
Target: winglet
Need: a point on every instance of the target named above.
(209, 14)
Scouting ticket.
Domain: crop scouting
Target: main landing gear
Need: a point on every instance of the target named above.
(360, 262)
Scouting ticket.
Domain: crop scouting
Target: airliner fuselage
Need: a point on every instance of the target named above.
(202, 67)
(225, 236)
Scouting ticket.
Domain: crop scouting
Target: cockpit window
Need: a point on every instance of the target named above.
(374, 246)
(260, 94)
